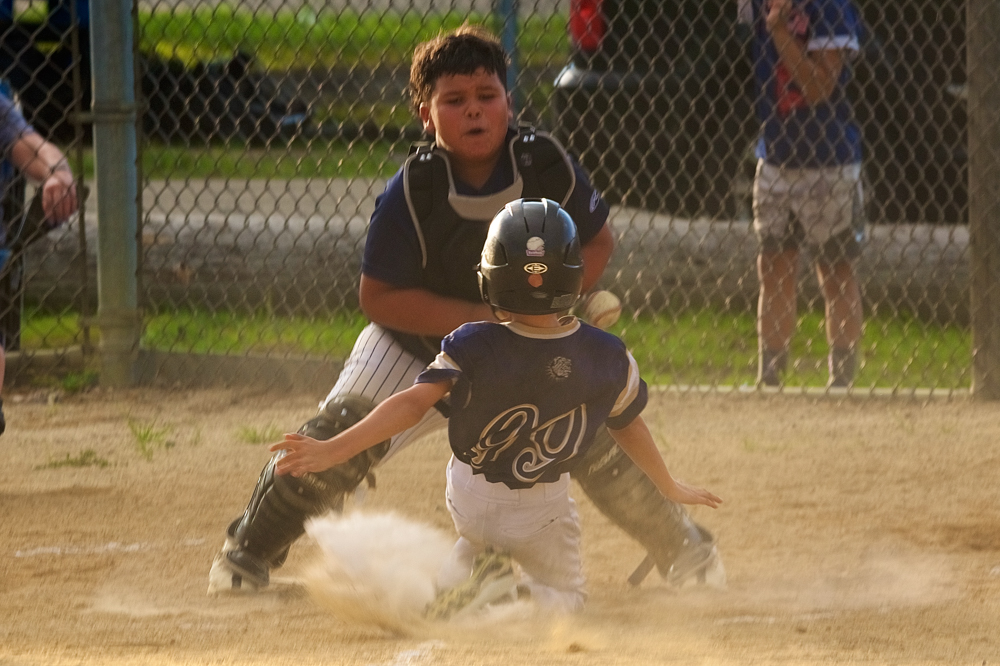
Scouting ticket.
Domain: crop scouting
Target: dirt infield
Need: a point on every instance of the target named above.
(853, 532)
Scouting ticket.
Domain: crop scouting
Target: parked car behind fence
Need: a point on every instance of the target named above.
(657, 101)
(189, 103)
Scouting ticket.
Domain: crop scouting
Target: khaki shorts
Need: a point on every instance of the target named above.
(820, 208)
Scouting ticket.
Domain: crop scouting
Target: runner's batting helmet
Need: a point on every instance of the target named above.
(531, 261)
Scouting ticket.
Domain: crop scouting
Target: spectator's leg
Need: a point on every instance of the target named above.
(777, 268)
(837, 257)
(843, 318)
(776, 311)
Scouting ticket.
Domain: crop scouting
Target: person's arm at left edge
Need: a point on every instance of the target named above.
(42, 162)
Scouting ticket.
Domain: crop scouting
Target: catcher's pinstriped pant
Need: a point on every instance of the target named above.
(377, 368)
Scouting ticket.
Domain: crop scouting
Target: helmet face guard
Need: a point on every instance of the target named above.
(531, 262)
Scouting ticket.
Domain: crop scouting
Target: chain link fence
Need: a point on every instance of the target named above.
(268, 129)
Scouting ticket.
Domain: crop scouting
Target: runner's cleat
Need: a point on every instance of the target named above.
(492, 581)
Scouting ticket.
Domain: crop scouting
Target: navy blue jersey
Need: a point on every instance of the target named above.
(12, 124)
(392, 249)
(526, 402)
(793, 132)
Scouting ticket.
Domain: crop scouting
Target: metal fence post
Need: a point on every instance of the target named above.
(983, 59)
(507, 13)
(115, 170)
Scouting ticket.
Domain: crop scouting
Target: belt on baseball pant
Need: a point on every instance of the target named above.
(461, 476)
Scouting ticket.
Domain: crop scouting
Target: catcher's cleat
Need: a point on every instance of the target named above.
(623, 493)
(223, 578)
(492, 581)
(280, 505)
(252, 569)
(698, 564)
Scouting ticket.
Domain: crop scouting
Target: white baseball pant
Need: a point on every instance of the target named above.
(538, 526)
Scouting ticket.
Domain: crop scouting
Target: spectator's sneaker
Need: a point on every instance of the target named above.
(492, 581)
(771, 366)
(698, 564)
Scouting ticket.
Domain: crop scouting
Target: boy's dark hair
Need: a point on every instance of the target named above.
(461, 51)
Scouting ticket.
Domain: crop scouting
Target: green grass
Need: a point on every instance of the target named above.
(307, 39)
(75, 382)
(262, 435)
(709, 347)
(209, 333)
(230, 333)
(693, 347)
(86, 458)
(149, 436)
(317, 159)
(49, 331)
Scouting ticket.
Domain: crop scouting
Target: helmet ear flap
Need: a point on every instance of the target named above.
(484, 285)
(573, 255)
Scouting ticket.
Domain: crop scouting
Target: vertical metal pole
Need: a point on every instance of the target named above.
(508, 10)
(86, 315)
(983, 65)
(114, 164)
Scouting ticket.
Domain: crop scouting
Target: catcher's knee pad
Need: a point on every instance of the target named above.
(281, 504)
(337, 415)
(623, 493)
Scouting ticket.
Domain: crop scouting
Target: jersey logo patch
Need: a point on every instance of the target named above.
(560, 368)
(554, 441)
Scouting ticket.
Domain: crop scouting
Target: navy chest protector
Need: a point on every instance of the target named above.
(451, 227)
